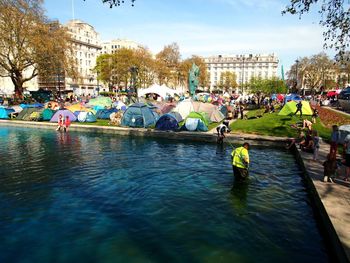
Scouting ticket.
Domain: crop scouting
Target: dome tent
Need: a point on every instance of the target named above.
(196, 121)
(26, 112)
(64, 113)
(167, 122)
(138, 115)
(102, 102)
(3, 114)
(184, 107)
(78, 107)
(194, 124)
(213, 112)
(86, 116)
(292, 97)
(47, 114)
(200, 115)
(105, 114)
(290, 108)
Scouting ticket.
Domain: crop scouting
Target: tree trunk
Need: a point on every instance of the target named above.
(17, 81)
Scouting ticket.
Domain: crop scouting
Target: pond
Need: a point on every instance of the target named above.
(81, 197)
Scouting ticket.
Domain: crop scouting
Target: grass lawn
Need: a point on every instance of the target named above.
(274, 125)
(97, 123)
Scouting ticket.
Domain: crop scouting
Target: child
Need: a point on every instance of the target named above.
(316, 144)
(67, 123)
(60, 122)
(330, 166)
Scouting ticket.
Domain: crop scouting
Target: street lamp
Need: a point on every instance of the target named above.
(296, 74)
(242, 82)
(134, 71)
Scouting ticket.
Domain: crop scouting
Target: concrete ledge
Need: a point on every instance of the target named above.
(235, 138)
(334, 231)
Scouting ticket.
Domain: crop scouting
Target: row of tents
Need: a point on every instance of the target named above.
(193, 115)
(196, 115)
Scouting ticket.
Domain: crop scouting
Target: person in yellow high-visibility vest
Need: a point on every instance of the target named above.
(240, 162)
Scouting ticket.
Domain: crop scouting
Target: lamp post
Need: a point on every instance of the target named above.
(242, 82)
(296, 74)
(134, 71)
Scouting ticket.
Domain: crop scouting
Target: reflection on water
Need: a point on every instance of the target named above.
(70, 197)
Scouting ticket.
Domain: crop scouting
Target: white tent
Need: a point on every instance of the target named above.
(184, 107)
(157, 89)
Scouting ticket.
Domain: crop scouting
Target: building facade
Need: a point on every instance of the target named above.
(87, 47)
(113, 45)
(244, 66)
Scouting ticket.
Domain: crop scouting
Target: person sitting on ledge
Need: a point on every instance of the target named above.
(296, 141)
(308, 144)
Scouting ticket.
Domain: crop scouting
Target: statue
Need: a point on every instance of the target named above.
(193, 79)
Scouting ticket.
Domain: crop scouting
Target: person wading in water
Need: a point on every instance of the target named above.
(240, 162)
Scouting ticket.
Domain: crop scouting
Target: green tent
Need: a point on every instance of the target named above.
(47, 114)
(200, 115)
(25, 114)
(101, 101)
(290, 108)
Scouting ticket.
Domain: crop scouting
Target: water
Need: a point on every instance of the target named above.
(82, 197)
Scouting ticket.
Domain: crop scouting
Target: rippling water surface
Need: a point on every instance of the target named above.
(82, 197)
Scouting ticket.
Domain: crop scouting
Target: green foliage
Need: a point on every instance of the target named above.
(185, 66)
(107, 93)
(228, 80)
(97, 123)
(262, 88)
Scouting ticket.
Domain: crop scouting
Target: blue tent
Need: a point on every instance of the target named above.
(177, 116)
(138, 115)
(86, 117)
(3, 113)
(104, 114)
(34, 105)
(291, 97)
(9, 111)
(167, 122)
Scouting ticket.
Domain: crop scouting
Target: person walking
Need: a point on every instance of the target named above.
(241, 110)
(329, 168)
(335, 138)
(299, 109)
(240, 162)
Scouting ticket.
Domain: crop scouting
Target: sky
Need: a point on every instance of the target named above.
(202, 27)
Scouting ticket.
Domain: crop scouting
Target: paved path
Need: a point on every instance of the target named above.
(335, 197)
